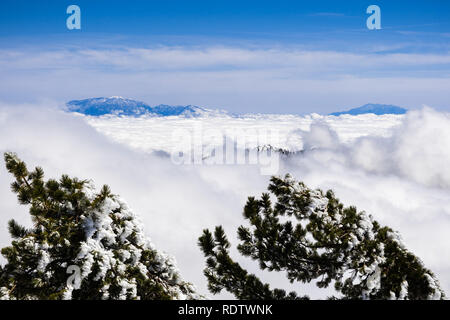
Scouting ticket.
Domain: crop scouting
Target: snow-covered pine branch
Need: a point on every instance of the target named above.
(311, 236)
(77, 228)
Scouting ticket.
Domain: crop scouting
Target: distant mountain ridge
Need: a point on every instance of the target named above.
(378, 109)
(120, 106)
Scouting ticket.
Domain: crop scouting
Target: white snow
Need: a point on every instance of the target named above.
(103, 234)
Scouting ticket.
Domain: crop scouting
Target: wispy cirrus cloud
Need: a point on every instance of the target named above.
(327, 14)
(239, 79)
(217, 58)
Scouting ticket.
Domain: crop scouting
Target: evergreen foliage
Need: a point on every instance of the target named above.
(311, 236)
(73, 225)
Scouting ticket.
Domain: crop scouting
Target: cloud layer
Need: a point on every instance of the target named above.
(397, 173)
(174, 202)
(402, 179)
(242, 79)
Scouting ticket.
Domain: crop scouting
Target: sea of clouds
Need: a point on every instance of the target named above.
(394, 167)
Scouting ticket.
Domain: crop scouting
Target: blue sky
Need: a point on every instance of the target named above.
(219, 18)
(244, 56)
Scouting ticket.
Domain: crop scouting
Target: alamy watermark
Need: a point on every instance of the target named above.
(74, 20)
(374, 21)
(231, 146)
(74, 280)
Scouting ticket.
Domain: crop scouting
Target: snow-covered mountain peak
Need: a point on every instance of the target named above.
(375, 108)
(120, 106)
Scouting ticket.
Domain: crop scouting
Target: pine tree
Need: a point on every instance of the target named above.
(310, 235)
(75, 228)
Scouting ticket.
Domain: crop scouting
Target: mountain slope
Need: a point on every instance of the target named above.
(127, 107)
(378, 109)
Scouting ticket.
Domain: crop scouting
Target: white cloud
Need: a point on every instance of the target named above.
(402, 179)
(150, 133)
(179, 58)
(246, 79)
(398, 173)
(174, 202)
